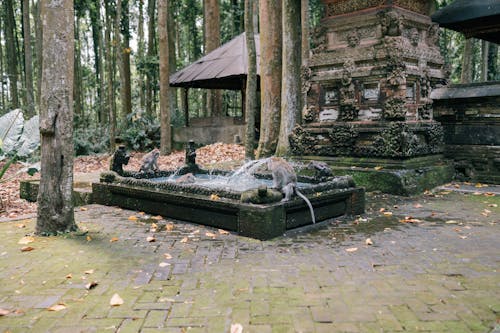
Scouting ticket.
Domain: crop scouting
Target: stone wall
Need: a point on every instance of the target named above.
(470, 115)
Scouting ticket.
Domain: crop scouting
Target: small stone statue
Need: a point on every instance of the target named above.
(190, 154)
(261, 195)
(120, 158)
(321, 170)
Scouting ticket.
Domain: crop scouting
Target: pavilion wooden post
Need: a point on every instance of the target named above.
(243, 97)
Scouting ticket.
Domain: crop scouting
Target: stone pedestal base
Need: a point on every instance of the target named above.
(401, 177)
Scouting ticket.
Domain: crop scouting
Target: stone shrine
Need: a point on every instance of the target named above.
(373, 66)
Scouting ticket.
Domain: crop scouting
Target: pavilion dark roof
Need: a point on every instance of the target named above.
(224, 68)
(474, 18)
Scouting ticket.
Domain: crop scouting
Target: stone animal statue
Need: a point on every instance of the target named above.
(285, 180)
(321, 169)
(261, 195)
(188, 178)
(150, 161)
(119, 159)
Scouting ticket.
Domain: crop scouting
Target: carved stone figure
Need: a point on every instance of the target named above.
(391, 24)
(348, 107)
(353, 38)
(310, 113)
(319, 41)
(119, 159)
(190, 154)
(261, 195)
(305, 76)
(414, 36)
(433, 35)
(394, 109)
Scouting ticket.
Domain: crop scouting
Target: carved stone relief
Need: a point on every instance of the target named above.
(391, 23)
(353, 38)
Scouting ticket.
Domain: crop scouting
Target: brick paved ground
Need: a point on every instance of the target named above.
(436, 275)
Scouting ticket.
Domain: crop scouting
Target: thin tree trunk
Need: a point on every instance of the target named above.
(125, 85)
(95, 21)
(466, 75)
(150, 53)
(165, 138)
(493, 62)
(140, 53)
(55, 194)
(11, 52)
(251, 84)
(255, 17)
(172, 54)
(212, 41)
(38, 50)
(305, 31)
(111, 105)
(2, 91)
(28, 59)
(77, 75)
(270, 78)
(484, 63)
(290, 89)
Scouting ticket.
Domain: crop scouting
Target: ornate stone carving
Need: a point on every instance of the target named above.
(343, 138)
(310, 113)
(414, 36)
(433, 35)
(353, 38)
(425, 111)
(396, 141)
(349, 6)
(302, 142)
(319, 41)
(394, 109)
(305, 75)
(391, 23)
(348, 105)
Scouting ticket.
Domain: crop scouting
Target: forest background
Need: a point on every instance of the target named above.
(116, 74)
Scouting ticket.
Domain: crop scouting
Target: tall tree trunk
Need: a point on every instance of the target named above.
(110, 64)
(2, 91)
(484, 63)
(165, 138)
(55, 194)
(125, 85)
(28, 59)
(270, 77)
(255, 17)
(291, 88)
(77, 87)
(493, 62)
(172, 55)
(251, 86)
(38, 50)
(466, 75)
(95, 21)
(305, 31)
(10, 27)
(212, 41)
(140, 53)
(150, 54)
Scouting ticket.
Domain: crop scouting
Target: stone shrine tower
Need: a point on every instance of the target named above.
(372, 69)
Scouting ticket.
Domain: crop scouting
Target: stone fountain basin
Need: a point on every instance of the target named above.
(222, 208)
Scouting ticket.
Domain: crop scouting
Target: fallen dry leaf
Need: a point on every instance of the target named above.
(223, 232)
(158, 217)
(91, 285)
(89, 271)
(21, 225)
(83, 209)
(114, 239)
(378, 168)
(214, 197)
(169, 227)
(479, 185)
(368, 241)
(116, 300)
(493, 205)
(210, 234)
(388, 213)
(167, 255)
(133, 218)
(57, 307)
(489, 194)
(27, 249)
(151, 239)
(409, 219)
(184, 240)
(69, 276)
(4, 312)
(451, 222)
(381, 210)
(164, 264)
(26, 240)
(236, 328)
(351, 249)
(418, 205)
(89, 238)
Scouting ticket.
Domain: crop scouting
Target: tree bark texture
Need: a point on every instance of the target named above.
(466, 75)
(55, 205)
(305, 31)
(212, 41)
(150, 80)
(484, 62)
(125, 85)
(110, 80)
(251, 84)
(270, 75)
(10, 27)
(290, 89)
(165, 138)
(140, 52)
(28, 59)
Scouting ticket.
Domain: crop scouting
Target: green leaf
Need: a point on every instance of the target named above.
(11, 127)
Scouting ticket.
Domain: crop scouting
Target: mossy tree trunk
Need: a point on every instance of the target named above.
(212, 41)
(165, 137)
(251, 84)
(270, 75)
(290, 88)
(55, 205)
